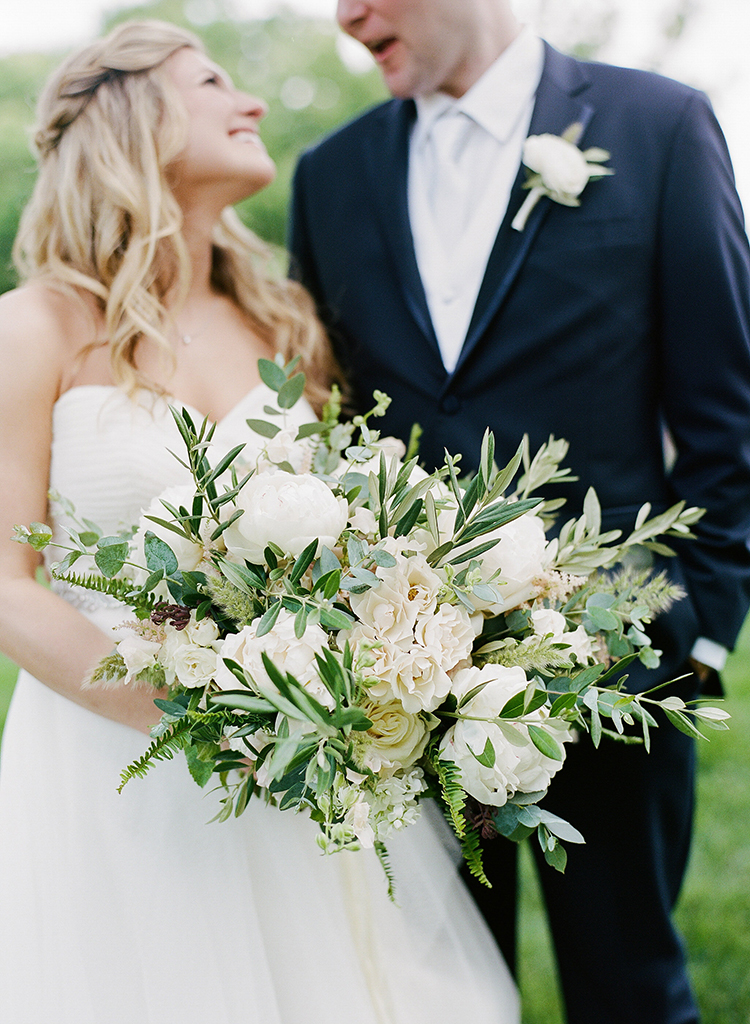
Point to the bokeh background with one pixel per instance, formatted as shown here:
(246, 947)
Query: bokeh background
(313, 79)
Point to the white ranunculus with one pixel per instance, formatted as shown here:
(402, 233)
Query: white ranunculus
(547, 620)
(286, 651)
(519, 557)
(137, 652)
(395, 739)
(407, 590)
(194, 665)
(188, 554)
(518, 765)
(289, 511)
(562, 165)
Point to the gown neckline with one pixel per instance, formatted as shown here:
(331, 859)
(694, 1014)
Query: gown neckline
(166, 399)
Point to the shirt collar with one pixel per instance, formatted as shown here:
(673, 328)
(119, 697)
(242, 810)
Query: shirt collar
(499, 98)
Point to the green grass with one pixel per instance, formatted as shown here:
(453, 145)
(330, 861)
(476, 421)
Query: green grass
(714, 913)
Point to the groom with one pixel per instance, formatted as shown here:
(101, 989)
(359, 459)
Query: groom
(617, 324)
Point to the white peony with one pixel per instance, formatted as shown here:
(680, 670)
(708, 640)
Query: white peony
(284, 448)
(289, 511)
(562, 165)
(519, 556)
(518, 765)
(547, 621)
(188, 554)
(286, 651)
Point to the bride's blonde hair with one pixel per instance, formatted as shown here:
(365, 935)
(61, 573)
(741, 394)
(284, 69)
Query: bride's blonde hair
(103, 218)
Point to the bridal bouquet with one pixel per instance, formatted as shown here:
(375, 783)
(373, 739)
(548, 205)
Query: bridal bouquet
(334, 629)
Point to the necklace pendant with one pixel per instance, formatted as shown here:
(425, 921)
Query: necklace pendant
(187, 339)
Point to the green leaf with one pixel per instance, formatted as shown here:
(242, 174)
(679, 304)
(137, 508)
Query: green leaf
(560, 827)
(159, 555)
(291, 391)
(309, 430)
(201, 771)
(268, 620)
(407, 521)
(170, 707)
(241, 700)
(556, 857)
(303, 561)
(271, 374)
(111, 555)
(545, 743)
(263, 427)
(244, 579)
(487, 757)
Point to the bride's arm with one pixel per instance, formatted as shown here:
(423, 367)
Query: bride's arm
(39, 630)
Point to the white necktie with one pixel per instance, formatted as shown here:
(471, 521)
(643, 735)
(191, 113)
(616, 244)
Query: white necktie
(450, 192)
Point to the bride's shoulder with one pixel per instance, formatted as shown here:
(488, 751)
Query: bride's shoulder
(42, 330)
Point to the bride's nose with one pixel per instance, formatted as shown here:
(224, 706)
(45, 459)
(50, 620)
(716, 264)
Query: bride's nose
(252, 105)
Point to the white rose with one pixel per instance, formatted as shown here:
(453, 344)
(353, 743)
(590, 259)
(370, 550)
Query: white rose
(519, 557)
(286, 651)
(518, 765)
(408, 589)
(289, 511)
(137, 652)
(188, 554)
(194, 665)
(204, 632)
(547, 620)
(562, 165)
(395, 740)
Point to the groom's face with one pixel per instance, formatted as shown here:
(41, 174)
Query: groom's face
(421, 46)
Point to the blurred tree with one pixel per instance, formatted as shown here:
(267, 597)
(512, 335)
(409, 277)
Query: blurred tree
(291, 62)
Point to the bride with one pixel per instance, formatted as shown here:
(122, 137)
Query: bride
(142, 289)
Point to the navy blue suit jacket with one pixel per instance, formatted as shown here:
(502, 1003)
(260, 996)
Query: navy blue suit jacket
(599, 323)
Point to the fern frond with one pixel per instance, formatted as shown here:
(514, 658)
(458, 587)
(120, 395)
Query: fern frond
(471, 848)
(452, 793)
(162, 749)
(385, 863)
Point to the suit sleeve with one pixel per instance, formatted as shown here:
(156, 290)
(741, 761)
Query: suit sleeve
(703, 265)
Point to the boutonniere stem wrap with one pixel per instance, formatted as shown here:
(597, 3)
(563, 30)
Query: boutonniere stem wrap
(557, 168)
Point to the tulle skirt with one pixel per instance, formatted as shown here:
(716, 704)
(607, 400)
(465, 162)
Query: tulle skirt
(131, 909)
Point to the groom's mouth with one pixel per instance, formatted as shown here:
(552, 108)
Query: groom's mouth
(382, 49)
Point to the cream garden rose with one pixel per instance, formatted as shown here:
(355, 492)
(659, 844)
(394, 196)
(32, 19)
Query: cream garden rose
(289, 653)
(286, 510)
(395, 739)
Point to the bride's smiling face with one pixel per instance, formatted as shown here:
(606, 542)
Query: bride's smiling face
(223, 156)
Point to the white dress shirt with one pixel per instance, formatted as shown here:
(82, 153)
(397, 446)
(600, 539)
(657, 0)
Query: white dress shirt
(460, 178)
(490, 125)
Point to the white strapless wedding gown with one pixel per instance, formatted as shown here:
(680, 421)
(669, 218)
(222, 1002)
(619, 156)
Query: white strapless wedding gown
(131, 909)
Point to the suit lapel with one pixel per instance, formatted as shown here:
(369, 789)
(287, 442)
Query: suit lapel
(558, 105)
(387, 166)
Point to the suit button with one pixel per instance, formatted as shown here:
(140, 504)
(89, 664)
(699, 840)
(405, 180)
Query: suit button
(450, 405)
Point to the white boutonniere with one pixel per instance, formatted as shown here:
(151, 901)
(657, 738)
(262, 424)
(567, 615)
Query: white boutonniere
(559, 169)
